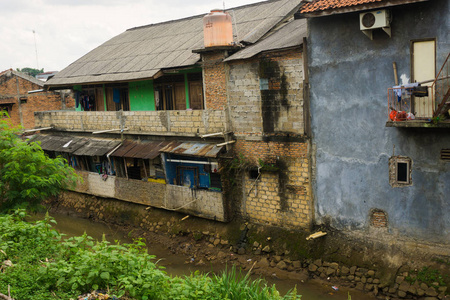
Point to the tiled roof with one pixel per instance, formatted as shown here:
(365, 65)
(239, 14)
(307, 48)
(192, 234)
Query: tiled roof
(339, 6)
(320, 5)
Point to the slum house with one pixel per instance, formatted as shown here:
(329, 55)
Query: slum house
(379, 76)
(172, 101)
(21, 95)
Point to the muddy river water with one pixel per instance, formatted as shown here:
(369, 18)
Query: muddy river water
(176, 265)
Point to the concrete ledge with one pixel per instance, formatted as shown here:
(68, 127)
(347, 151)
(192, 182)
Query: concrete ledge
(418, 124)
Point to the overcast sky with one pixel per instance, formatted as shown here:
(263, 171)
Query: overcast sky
(65, 30)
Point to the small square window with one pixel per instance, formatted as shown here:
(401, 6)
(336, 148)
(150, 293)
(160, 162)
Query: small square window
(400, 171)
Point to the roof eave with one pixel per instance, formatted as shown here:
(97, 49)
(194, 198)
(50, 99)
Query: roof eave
(364, 7)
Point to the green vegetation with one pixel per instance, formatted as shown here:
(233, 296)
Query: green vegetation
(427, 275)
(27, 174)
(47, 266)
(31, 71)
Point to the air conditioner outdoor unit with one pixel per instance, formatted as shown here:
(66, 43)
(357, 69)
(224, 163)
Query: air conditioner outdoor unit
(375, 19)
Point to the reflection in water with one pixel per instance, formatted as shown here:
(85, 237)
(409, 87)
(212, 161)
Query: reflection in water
(176, 264)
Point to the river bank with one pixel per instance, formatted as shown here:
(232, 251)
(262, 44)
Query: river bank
(274, 253)
(193, 256)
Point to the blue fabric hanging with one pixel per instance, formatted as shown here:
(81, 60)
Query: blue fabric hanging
(116, 95)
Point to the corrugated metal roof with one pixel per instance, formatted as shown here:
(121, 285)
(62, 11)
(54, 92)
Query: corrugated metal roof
(290, 35)
(76, 145)
(145, 150)
(60, 143)
(192, 149)
(95, 147)
(139, 53)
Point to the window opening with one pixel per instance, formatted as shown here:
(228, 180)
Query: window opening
(172, 91)
(187, 176)
(253, 174)
(400, 171)
(215, 181)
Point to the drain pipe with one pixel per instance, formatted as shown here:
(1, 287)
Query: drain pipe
(111, 152)
(254, 183)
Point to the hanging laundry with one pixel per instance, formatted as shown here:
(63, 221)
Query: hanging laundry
(116, 95)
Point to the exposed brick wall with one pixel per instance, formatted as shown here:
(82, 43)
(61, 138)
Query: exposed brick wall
(31, 103)
(269, 151)
(282, 197)
(214, 76)
(379, 219)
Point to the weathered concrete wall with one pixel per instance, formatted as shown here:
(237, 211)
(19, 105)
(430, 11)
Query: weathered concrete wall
(201, 203)
(186, 122)
(349, 76)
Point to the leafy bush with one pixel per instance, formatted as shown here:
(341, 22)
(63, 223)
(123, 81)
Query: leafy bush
(47, 266)
(27, 174)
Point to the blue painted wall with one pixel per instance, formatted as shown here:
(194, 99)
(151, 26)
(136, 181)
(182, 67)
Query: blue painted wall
(171, 171)
(349, 77)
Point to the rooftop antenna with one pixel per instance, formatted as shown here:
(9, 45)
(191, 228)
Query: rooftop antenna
(35, 48)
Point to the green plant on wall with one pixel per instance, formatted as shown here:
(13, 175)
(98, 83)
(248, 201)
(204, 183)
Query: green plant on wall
(268, 167)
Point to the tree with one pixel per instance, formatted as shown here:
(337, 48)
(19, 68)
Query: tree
(27, 174)
(31, 71)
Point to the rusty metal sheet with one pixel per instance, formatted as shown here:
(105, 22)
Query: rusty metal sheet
(155, 150)
(123, 149)
(193, 149)
(144, 150)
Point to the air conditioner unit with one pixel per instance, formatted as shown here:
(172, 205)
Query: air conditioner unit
(375, 19)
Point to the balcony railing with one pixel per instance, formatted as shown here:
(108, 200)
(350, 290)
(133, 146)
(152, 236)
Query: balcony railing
(411, 103)
(421, 104)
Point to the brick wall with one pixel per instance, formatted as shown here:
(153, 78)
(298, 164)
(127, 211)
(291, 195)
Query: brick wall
(214, 77)
(185, 123)
(31, 103)
(281, 197)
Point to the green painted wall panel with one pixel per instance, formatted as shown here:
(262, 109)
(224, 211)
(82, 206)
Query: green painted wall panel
(142, 96)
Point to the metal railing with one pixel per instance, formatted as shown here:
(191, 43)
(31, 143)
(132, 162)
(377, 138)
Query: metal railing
(441, 85)
(423, 100)
(411, 102)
